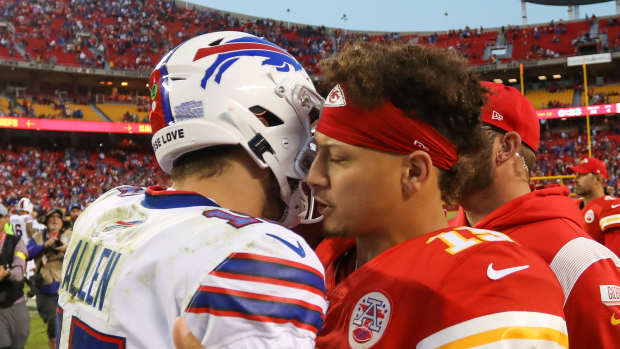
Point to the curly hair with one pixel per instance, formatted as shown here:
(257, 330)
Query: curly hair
(428, 84)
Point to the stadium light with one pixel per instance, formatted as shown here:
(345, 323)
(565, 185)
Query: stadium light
(557, 76)
(512, 80)
(101, 82)
(124, 83)
(109, 83)
(542, 77)
(498, 81)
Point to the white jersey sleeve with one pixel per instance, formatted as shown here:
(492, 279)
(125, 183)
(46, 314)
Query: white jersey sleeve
(268, 294)
(138, 259)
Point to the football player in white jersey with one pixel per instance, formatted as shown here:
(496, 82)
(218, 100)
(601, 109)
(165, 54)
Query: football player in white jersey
(231, 117)
(24, 226)
(22, 221)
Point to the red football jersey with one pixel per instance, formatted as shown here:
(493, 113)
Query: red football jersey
(593, 214)
(450, 288)
(549, 222)
(602, 217)
(609, 221)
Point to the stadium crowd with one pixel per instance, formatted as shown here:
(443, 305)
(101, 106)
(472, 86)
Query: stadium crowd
(560, 149)
(65, 177)
(122, 36)
(136, 34)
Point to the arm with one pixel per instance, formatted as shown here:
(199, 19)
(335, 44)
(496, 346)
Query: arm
(18, 266)
(610, 225)
(34, 250)
(183, 337)
(500, 293)
(612, 240)
(263, 296)
(29, 229)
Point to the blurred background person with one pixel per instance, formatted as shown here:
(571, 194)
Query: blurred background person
(75, 210)
(601, 213)
(48, 248)
(14, 317)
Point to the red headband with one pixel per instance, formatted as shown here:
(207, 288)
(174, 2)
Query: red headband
(386, 128)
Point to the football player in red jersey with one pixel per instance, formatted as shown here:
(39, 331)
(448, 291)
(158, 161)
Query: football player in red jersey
(601, 213)
(389, 138)
(498, 197)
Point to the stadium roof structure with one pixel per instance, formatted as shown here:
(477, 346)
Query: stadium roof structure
(566, 2)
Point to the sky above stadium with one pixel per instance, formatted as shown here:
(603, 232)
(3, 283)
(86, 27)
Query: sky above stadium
(404, 15)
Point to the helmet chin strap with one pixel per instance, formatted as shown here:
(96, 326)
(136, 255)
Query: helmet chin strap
(290, 217)
(299, 206)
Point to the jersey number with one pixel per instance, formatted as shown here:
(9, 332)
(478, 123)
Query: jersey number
(457, 242)
(84, 336)
(18, 230)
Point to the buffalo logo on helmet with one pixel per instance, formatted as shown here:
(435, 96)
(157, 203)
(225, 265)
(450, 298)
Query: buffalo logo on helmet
(231, 51)
(336, 98)
(369, 320)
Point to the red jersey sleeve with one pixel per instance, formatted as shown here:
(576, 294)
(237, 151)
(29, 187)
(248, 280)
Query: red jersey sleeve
(609, 216)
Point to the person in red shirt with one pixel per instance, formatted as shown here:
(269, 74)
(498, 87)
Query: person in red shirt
(498, 197)
(601, 213)
(388, 142)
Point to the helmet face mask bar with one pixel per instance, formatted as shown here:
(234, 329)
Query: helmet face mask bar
(228, 88)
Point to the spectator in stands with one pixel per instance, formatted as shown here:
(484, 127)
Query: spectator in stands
(48, 250)
(14, 317)
(75, 211)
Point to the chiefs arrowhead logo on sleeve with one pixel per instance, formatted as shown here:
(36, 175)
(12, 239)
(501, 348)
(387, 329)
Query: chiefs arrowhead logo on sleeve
(336, 98)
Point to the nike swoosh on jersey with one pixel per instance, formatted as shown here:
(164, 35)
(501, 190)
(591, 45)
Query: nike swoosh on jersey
(297, 249)
(614, 206)
(496, 274)
(614, 321)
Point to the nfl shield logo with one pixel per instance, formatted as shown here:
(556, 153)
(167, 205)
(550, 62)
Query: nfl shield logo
(369, 320)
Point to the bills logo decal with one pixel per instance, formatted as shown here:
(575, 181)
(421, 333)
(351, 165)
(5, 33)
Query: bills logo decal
(231, 51)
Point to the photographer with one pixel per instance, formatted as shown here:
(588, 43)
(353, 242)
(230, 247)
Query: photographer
(48, 250)
(14, 318)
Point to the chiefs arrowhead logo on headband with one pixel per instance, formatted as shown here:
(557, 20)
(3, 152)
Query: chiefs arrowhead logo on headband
(384, 127)
(335, 98)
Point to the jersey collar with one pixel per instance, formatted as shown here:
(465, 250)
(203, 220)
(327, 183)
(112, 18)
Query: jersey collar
(158, 197)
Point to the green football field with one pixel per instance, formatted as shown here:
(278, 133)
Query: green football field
(38, 337)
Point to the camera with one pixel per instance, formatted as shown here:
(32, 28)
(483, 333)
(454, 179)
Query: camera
(57, 243)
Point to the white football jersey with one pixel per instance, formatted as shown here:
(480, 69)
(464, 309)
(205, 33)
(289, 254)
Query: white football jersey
(36, 226)
(19, 222)
(140, 258)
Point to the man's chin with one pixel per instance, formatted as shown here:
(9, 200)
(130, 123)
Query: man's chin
(335, 232)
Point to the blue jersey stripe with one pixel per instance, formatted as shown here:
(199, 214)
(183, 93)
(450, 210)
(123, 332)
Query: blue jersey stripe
(271, 270)
(204, 300)
(175, 201)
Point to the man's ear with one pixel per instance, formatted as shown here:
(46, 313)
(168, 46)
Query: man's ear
(509, 145)
(416, 170)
